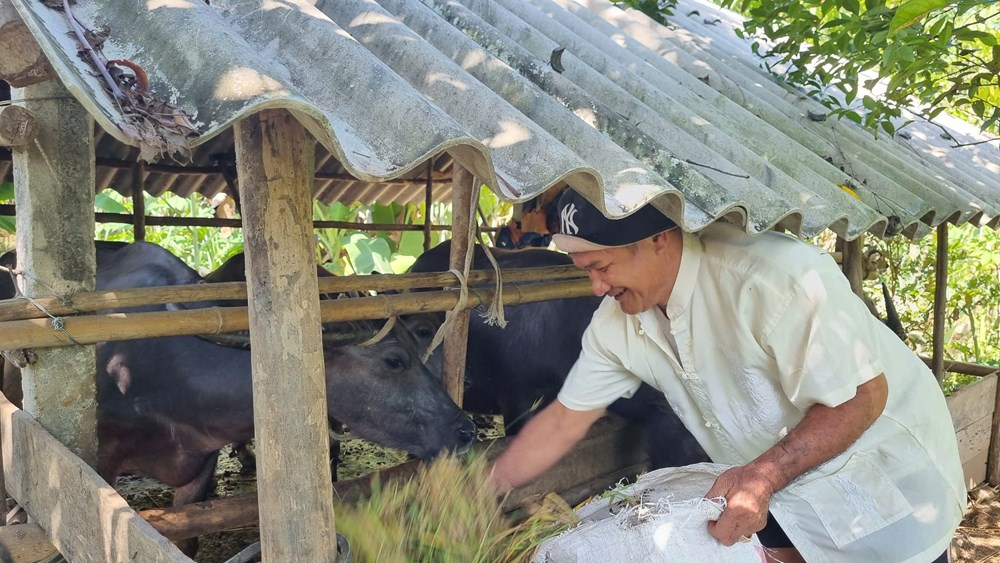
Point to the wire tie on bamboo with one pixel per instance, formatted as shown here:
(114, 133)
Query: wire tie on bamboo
(58, 323)
(389, 323)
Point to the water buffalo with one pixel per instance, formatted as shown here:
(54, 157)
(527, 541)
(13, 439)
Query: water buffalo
(421, 331)
(167, 405)
(513, 370)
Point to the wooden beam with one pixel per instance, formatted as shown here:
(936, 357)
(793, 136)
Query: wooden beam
(18, 126)
(55, 244)
(23, 63)
(940, 301)
(138, 200)
(229, 513)
(275, 161)
(979, 370)
(993, 453)
(91, 301)
(428, 204)
(89, 329)
(612, 450)
(83, 516)
(464, 195)
(853, 264)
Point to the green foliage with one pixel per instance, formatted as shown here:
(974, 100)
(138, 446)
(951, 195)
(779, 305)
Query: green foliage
(656, 9)
(7, 194)
(203, 248)
(972, 326)
(935, 55)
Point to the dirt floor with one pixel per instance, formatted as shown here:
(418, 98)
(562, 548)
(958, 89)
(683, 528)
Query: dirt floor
(358, 458)
(978, 538)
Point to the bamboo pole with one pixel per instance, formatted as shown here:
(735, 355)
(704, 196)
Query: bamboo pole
(191, 520)
(90, 329)
(92, 301)
(940, 301)
(965, 368)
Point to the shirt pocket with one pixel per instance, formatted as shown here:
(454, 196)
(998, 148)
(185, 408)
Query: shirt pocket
(858, 500)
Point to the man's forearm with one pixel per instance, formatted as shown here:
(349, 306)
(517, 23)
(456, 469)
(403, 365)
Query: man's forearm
(822, 434)
(542, 442)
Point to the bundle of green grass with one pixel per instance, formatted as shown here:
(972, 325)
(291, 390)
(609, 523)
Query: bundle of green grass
(447, 513)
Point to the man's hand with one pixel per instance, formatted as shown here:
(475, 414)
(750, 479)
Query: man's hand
(534, 222)
(747, 491)
(823, 433)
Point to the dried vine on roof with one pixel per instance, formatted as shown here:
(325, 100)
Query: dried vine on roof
(157, 127)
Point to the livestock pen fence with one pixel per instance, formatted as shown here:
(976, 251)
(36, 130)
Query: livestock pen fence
(70, 493)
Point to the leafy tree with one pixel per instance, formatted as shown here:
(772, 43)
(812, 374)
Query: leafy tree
(932, 55)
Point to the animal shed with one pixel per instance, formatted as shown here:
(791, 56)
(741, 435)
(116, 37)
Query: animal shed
(630, 112)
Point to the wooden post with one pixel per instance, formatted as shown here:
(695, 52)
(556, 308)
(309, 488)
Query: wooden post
(23, 62)
(428, 202)
(54, 190)
(138, 200)
(456, 339)
(852, 262)
(18, 126)
(940, 301)
(275, 160)
(83, 516)
(993, 454)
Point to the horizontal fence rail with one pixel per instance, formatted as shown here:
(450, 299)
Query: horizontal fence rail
(91, 301)
(93, 328)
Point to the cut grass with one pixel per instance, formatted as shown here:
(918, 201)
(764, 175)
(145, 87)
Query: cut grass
(447, 513)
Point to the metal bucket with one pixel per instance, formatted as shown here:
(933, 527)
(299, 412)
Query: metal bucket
(343, 550)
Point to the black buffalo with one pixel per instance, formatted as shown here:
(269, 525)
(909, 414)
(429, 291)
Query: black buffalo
(518, 369)
(167, 405)
(420, 331)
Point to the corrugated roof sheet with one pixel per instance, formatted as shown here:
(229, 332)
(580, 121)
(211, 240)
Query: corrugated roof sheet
(679, 115)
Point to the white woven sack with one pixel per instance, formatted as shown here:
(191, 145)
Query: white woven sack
(662, 517)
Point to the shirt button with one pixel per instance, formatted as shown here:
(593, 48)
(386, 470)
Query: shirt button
(641, 332)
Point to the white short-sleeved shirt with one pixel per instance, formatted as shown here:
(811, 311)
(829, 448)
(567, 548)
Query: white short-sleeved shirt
(765, 327)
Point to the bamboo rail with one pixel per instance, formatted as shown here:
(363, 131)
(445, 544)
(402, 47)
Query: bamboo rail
(90, 329)
(965, 368)
(91, 301)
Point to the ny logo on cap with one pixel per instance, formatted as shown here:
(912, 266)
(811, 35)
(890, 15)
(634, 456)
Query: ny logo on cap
(567, 216)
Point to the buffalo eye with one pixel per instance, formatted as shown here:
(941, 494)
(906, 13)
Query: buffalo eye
(394, 362)
(425, 333)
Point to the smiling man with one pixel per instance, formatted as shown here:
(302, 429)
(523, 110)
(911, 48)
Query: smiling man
(841, 445)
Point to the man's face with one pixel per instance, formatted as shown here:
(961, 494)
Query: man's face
(630, 274)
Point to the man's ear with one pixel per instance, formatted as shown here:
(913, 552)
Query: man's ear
(660, 241)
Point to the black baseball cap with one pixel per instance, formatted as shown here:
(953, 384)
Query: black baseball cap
(582, 226)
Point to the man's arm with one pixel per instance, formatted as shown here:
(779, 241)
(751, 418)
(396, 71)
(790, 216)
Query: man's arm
(822, 434)
(543, 441)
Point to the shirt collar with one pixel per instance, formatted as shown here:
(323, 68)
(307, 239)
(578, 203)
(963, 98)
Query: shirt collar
(687, 275)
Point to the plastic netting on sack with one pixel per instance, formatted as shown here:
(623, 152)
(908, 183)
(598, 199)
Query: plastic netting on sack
(662, 517)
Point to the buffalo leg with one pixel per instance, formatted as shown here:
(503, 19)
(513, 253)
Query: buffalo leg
(196, 491)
